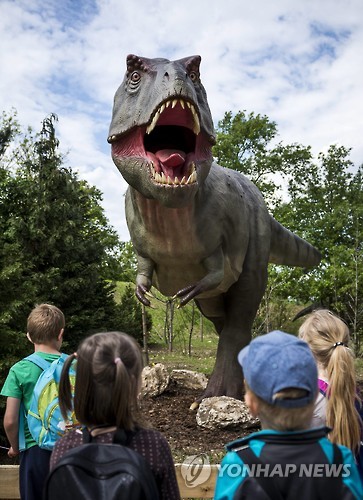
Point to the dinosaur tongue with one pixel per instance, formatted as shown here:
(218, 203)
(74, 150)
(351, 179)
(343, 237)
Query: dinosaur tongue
(170, 160)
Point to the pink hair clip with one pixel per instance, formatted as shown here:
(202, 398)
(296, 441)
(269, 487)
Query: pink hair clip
(117, 361)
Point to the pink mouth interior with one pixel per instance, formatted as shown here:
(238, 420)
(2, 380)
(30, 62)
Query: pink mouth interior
(171, 161)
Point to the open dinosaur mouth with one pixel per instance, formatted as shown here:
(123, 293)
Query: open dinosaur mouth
(169, 142)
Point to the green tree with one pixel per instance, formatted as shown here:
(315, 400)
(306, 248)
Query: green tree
(245, 143)
(57, 245)
(325, 208)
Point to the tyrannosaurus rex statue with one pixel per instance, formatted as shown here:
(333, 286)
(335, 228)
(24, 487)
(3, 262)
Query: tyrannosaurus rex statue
(200, 231)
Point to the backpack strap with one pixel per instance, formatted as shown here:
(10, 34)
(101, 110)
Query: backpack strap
(21, 432)
(38, 360)
(335, 482)
(267, 484)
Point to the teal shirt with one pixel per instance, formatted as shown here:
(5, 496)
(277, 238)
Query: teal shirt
(20, 384)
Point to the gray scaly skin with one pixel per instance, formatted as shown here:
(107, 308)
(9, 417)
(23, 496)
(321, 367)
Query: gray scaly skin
(200, 231)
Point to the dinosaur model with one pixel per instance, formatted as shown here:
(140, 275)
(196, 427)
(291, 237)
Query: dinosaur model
(200, 231)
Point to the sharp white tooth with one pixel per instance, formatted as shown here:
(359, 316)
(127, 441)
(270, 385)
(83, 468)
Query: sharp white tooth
(161, 109)
(196, 126)
(151, 127)
(157, 177)
(192, 165)
(169, 181)
(189, 104)
(193, 176)
(182, 103)
(176, 181)
(183, 180)
(189, 179)
(167, 104)
(173, 104)
(163, 178)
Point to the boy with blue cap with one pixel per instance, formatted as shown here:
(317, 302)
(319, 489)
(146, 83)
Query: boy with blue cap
(285, 459)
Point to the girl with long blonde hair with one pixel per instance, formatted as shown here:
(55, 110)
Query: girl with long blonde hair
(337, 402)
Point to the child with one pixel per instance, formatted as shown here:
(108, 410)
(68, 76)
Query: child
(328, 339)
(285, 459)
(108, 382)
(45, 327)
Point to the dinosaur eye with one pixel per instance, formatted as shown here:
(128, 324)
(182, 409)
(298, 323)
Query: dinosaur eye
(193, 76)
(135, 77)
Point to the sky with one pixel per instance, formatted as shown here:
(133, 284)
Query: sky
(299, 62)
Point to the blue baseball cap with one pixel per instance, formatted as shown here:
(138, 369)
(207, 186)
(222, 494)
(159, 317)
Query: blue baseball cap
(277, 361)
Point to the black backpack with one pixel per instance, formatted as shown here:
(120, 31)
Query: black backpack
(101, 472)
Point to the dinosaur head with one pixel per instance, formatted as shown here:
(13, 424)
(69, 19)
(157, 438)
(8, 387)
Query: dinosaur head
(162, 130)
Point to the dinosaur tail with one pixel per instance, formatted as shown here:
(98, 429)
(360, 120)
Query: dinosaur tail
(290, 250)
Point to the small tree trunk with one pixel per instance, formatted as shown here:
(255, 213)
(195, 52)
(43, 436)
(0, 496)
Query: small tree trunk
(201, 326)
(191, 332)
(145, 351)
(171, 320)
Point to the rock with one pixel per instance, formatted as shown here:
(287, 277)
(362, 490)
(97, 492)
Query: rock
(155, 380)
(223, 412)
(189, 379)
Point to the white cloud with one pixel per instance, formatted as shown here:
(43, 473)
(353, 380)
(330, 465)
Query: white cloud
(296, 62)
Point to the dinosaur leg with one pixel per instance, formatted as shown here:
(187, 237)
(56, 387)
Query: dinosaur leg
(241, 303)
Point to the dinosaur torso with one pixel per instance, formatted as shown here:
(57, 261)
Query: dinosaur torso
(178, 240)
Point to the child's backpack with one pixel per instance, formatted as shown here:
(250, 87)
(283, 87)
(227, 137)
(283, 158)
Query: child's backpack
(44, 417)
(267, 485)
(98, 471)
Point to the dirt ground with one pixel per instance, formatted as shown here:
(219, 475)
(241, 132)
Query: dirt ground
(170, 414)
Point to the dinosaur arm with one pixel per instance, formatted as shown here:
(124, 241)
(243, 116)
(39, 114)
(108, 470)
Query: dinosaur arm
(214, 264)
(145, 269)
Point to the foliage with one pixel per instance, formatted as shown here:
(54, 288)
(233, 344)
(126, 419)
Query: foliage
(244, 144)
(56, 245)
(127, 261)
(326, 208)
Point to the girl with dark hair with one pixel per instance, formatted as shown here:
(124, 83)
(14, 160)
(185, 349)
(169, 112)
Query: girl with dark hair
(108, 382)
